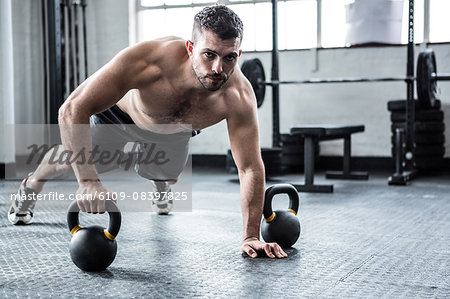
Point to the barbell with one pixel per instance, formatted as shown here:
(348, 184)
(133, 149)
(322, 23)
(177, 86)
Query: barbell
(426, 78)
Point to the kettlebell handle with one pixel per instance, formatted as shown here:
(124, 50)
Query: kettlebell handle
(280, 189)
(115, 219)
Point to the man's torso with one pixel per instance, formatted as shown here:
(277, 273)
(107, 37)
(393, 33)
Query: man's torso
(168, 98)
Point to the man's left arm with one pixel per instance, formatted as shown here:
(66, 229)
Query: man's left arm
(244, 140)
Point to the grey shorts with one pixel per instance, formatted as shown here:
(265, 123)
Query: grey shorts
(154, 156)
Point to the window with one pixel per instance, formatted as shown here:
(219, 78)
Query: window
(297, 20)
(439, 21)
(302, 24)
(333, 23)
(297, 24)
(155, 23)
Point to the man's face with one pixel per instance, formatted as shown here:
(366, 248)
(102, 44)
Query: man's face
(213, 59)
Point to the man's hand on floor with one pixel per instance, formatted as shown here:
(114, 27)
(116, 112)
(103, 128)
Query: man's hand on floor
(252, 246)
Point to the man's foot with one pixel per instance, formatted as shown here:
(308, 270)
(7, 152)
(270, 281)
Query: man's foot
(21, 210)
(163, 205)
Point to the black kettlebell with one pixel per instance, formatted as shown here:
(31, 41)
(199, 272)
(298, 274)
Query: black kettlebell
(282, 227)
(93, 248)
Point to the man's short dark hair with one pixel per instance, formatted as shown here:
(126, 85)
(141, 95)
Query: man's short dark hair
(221, 20)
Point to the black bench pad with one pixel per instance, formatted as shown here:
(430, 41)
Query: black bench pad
(325, 132)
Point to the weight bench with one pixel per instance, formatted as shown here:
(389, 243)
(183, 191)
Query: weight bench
(327, 132)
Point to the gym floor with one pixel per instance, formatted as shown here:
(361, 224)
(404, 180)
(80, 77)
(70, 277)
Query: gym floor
(367, 239)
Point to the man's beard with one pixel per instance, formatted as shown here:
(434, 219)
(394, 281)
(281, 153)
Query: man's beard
(212, 85)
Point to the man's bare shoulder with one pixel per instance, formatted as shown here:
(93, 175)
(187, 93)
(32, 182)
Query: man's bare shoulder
(147, 61)
(159, 49)
(241, 103)
(239, 92)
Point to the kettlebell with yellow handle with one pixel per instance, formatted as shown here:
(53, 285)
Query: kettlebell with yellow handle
(93, 248)
(281, 226)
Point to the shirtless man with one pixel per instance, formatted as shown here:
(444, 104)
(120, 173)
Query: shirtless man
(169, 80)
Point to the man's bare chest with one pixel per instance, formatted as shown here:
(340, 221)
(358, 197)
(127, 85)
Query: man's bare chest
(164, 106)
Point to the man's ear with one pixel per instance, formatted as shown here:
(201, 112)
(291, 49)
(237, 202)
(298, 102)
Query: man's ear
(190, 47)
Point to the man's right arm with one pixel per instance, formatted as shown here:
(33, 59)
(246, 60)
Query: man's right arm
(99, 92)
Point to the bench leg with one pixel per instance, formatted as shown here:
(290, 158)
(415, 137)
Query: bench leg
(309, 170)
(346, 173)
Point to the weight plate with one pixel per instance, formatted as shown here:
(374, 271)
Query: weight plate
(437, 139)
(295, 159)
(420, 115)
(271, 151)
(427, 90)
(430, 138)
(429, 163)
(293, 150)
(271, 158)
(426, 150)
(292, 139)
(421, 126)
(295, 169)
(254, 71)
(297, 150)
(399, 105)
(272, 161)
(292, 160)
(429, 150)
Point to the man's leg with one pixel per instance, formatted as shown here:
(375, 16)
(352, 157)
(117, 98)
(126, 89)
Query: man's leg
(21, 210)
(161, 159)
(162, 202)
(161, 174)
